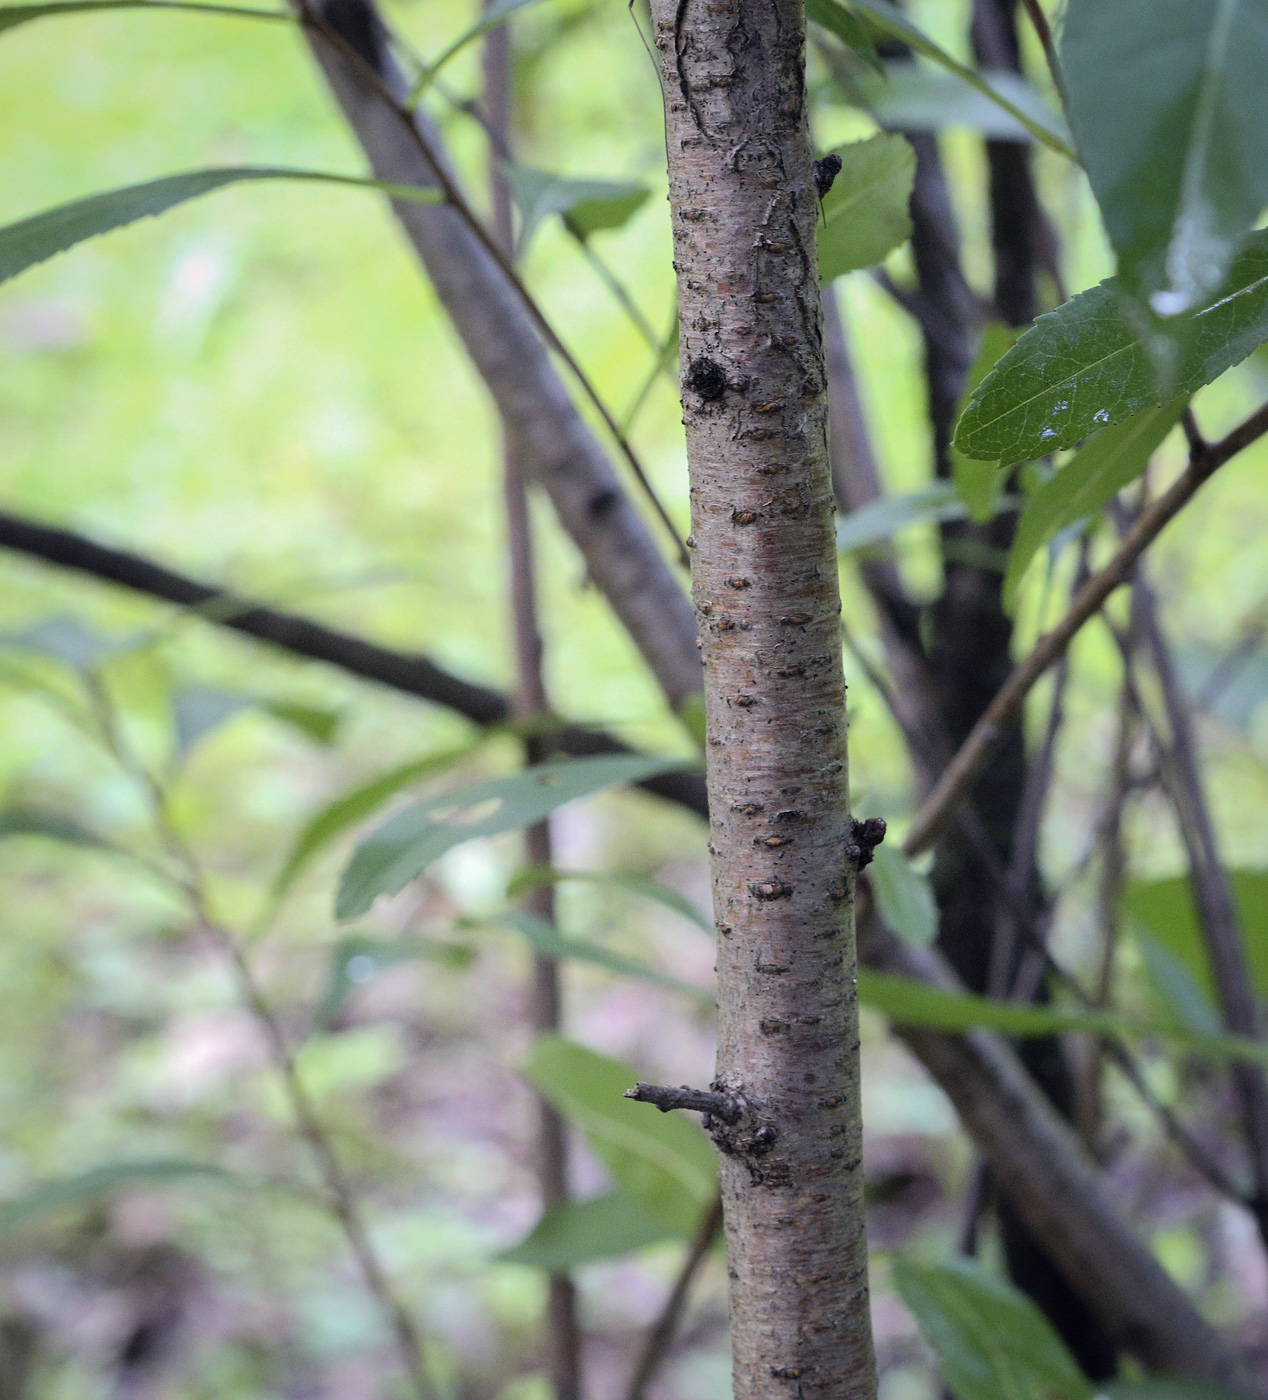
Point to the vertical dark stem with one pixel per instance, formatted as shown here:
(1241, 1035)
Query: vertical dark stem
(529, 703)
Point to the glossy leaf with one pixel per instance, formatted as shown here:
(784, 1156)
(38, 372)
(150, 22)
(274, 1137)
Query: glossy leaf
(903, 896)
(345, 812)
(42, 236)
(852, 31)
(405, 845)
(1096, 473)
(1169, 108)
(1083, 366)
(13, 15)
(358, 959)
(662, 1160)
(978, 484)
(534, 876)
(993, 1342)
(882, 520)
(579, 1232)
(99, 1184)
(890, 21)
(587, 206)
(865, 214)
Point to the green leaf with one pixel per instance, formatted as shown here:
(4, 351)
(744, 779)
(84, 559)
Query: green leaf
(42, 236)
(915, 97)
(13, 15)
(903, 896)
(882, 520)
(70, 640)
(865, 215)
(1184, 997)
(1169, 108)
(662, 1160)
(578, 1232)
(404, 846)
(17, 821)
(357, 960)
(1083, 366)
(587, 206)
(197, 710)
(993, 1342)
(346, 811)
(547, 939)
(978, 484)
(1167, 1388)
(321, 726)
(497, 13)
(534, 876)
(891, 21)
(1096, 473)
(851, 31)
(100, 1183)
(691, 713)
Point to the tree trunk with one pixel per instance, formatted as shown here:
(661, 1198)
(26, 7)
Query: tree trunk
(743, 194)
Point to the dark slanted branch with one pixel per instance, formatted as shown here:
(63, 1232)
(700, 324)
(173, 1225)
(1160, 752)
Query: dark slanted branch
(408, 673)
(666, 1098)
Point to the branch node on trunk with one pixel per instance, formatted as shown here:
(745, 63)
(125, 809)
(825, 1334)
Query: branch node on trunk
(865, 836)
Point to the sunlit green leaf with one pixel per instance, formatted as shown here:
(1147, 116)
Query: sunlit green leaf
(101, 1183)
(578, 1232)
(882, 520)
(903, 896)
(42, 236)
(404, 846)
(1096, 473)
(1083, 366)
(662, 1160)
(993, 1342)
(534, 876)
(865, 214)
(1169, 108)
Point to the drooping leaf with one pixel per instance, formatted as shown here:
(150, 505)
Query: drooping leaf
(890, 21)
(1098, 471)
(865, 215)
(903, 896)
(13, 15)
(100, 1183)
(587, 206)
(547, 939)
(851, 30)
(534, 876)
(495, 14)
(42, 236)
(579, 1232)
(1169, 108)
(993, 1342)
(662, 1160)
(1083, 366)
(882, 520)
(358, 959)
(978, 484)
(402, 848)
(346, 811)
(916, 97)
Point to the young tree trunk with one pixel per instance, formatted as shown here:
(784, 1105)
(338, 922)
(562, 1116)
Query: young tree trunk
(743, 193)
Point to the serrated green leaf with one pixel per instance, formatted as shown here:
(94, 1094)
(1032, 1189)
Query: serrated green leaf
(1169, 108)
(579, 1232)
(891, 21)
(993, 1342)
(42, 236)
(534, 876)
(1083, 366)
(13, 15)
(882, 520)
(358, 959)
(586, 206)
(851, 31)
(1096, 473)
(402, 848)
(903, 896)
(100, 1183)
(352, 807)
(662, 1160)
(978, 484)
(865, 214)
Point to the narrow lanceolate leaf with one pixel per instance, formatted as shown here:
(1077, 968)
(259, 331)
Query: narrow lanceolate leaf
(865, 215)
(1092, 477)
(1169, 108)
(662, 1160)
(1083, 366)
(578, 1232)
(993, 1342)
(13, 15)
(404, 846)
(890, 20)
(100, 1183)
(34, 240)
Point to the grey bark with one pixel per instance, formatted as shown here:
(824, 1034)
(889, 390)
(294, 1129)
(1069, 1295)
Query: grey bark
(765, 587)
(490, 316)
